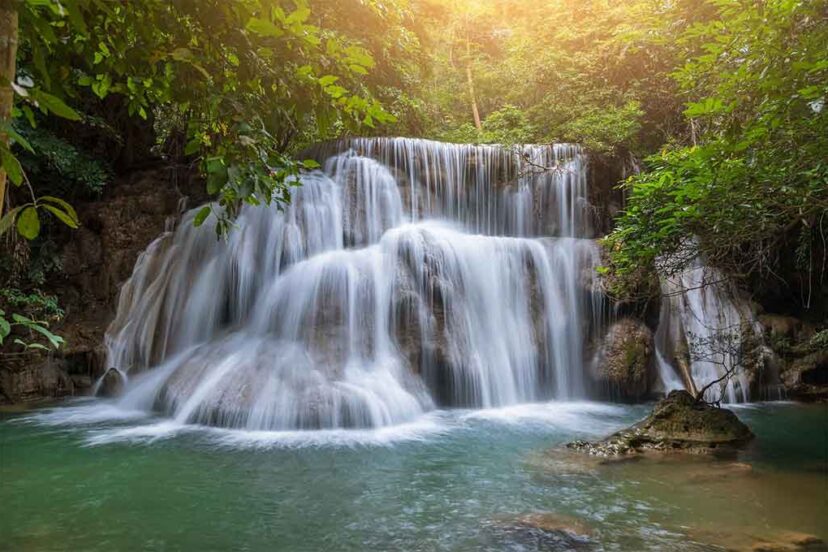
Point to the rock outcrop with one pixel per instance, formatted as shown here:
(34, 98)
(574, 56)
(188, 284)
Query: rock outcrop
(40, 380)
(802, 352)
(623, 364)
(97, 258)
(678, 423)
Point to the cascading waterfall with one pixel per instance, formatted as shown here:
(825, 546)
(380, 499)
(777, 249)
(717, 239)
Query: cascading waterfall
(705, 330)
(405, 275)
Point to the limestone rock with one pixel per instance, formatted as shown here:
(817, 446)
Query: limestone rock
(677, 424)
(625, 358)
(112, 384)
(37, 381)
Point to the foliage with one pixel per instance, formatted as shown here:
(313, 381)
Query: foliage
(14, 324)
(508, 126)
(217, 64)
(740, 189)
(603, 130)
(69, 171)
(591, 71)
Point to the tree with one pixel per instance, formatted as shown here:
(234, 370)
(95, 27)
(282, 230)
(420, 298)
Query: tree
(214, 64)
(750, 172)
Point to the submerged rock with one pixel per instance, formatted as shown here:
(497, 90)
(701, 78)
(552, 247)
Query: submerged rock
(678, 423)
(112, 384)
(545, 531)
(790, 541)
(745, 541)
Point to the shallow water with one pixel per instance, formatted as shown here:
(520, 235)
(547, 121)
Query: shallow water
(87, 476)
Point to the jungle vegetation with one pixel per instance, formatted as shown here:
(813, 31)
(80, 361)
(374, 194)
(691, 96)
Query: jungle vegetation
(720, 104)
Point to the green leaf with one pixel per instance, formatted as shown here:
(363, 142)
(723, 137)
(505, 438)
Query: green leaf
(310, 164)
(55, 340)
(202, 215)
(62, 216)
(265, 28)
(65, 206)
(20, 140)
(55, 105)
(193, 146)
(5, 329)
(300, 15)
(20, 319)
(28, 223)
(12, 167)
(8, 219)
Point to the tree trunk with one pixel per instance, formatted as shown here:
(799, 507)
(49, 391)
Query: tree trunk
(473, 98)
(683, 361)
(8, 57)
(477, 122)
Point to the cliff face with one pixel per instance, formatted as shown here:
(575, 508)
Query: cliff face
(97, 258)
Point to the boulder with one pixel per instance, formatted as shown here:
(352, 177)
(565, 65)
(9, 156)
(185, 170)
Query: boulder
(624, 359)
(112, 384)
(678, 423)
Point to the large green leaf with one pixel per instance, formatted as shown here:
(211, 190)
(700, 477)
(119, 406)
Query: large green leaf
(63, 216)
(28, 223)
(55, 105)
(12, 166)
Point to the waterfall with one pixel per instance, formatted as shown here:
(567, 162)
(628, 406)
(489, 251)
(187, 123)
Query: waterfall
(404, 275)
(707, 330)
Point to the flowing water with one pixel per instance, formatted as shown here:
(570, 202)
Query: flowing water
(405, 275)
(91, 476)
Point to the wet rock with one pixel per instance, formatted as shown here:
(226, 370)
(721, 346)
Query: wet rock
(46, 379)
(744, 541)
(804, 365)
(790, 541)
(625, 358)
(556, 523)
(678, 423)
(112, 384)
(806, 378)
(545, 531)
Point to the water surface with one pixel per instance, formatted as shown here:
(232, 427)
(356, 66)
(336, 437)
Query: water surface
(88, 476)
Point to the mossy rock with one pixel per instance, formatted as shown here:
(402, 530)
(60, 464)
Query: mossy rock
(678, 423)
(625, 359)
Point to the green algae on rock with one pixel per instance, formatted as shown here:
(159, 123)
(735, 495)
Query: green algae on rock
(678, 423)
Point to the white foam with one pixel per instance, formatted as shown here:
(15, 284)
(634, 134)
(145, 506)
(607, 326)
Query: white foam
(575, 417)
(83, 415)
(419, 430)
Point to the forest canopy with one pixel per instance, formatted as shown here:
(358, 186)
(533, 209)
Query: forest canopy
(716, 105)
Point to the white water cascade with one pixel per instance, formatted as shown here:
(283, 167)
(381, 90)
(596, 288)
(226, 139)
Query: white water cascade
(405, 275)
(704, 320)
